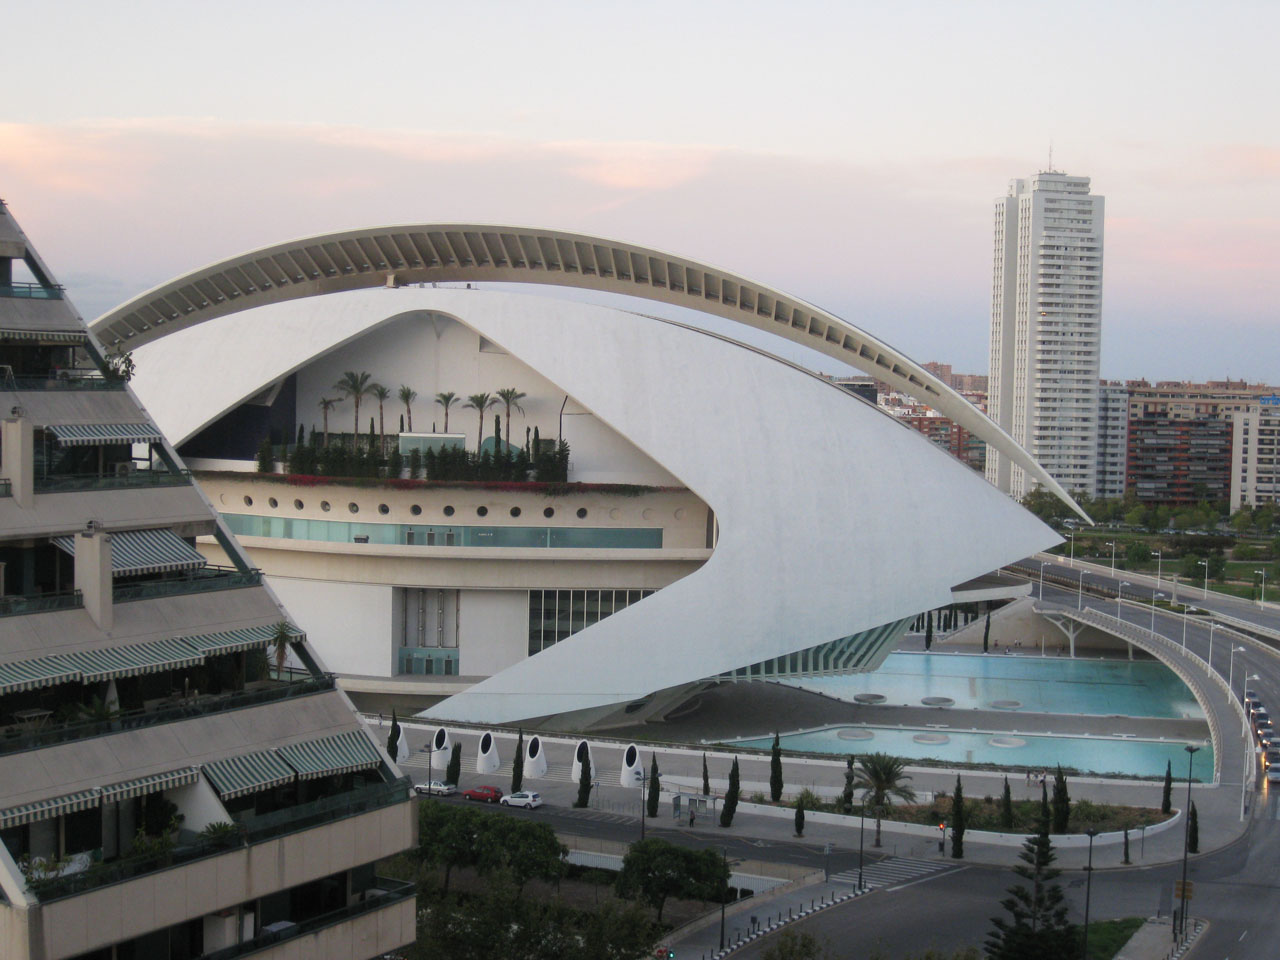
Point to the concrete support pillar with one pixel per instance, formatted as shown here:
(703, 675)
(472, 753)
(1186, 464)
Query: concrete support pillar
(93, 575)
(18, 456)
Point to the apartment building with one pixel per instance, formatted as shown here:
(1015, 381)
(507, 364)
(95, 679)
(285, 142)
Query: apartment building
(179, 778)
(1255, 454)
(1113, 437)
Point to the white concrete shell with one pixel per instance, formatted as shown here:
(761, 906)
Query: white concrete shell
(834, 519)
(415, 253)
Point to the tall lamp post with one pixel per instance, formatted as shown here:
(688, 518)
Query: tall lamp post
(1159, 561)
(724, 854)
(1186, 839)
(1205, 564)
(1120, 596)
(1080, 592)
(1072, 537)
(1231, 668)
(1154, 597)
(1088, 889)
(862, 827)
(1262, 598)
(1112, 545)
(1188, 609)
(1042, 566)
(1213, 625)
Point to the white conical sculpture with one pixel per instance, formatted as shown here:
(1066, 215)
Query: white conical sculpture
(487, 759)
(535, 758)
(632, 774)
(580, 753)
(441, 741)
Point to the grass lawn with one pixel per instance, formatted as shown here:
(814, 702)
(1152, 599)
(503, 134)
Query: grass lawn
(1106, 937)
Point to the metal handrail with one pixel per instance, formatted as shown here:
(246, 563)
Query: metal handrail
(66, 483)
(221, 578)
(31, 291)
(40, 603)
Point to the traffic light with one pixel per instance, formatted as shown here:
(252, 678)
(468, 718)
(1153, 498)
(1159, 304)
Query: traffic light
(671, 954)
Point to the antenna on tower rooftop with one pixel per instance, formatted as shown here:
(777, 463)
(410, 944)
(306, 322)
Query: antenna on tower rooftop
(1050, 156)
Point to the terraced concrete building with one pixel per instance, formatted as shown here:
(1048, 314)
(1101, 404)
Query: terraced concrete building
(179, 778)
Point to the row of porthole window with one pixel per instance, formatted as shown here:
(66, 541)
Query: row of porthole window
(416, 510)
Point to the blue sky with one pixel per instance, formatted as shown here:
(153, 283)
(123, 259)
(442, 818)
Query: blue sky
(846, 152)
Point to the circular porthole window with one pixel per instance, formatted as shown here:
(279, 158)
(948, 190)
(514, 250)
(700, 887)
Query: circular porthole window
(549, 512)
(515, 511)
(248, 501)
(324, 505)
(416, 510)
(353, 507)
(482, 511)
(448, 511)
(297, 504)
(582, 513)
(273, 502)
(383, 509)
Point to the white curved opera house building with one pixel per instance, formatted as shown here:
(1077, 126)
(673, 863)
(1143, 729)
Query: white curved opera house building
(727, 515)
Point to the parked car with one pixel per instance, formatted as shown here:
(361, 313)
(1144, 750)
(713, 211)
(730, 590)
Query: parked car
(522, 798)
(1253, 704)
(1262, 724)
(436, 788)
(1271, 758)
(1273, 774)
(488, 794)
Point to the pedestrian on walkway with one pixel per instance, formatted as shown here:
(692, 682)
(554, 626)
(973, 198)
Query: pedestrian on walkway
(691, 815)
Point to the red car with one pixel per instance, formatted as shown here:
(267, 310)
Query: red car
(485, 793)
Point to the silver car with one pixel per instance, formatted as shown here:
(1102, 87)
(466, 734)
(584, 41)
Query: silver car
(436, 788)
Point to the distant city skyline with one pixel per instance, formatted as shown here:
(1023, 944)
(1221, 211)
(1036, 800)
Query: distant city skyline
(862, 182)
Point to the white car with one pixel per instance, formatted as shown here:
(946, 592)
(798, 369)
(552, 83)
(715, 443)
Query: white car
(435, 788)
(522, 798)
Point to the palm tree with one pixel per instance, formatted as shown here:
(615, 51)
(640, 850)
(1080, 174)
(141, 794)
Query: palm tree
(511, 397)
(880, 777)
(407, 396)
(326, 405)
(279, 644)
(382, 393)
(480, 402)
(356, 386)
(446, 400)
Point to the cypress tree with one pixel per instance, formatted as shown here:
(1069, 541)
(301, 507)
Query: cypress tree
(1061, 802)
(846, 799)
(393, 738)
(775, 770)
(1193, 831)
(654, 786)
(1166, 798)
(706, 778)
(928, 630)
(584, 783)
(730, 805)
(1006, 807)
(517, 765)
(454, 771)
(1126, 845)
(957, 822)
(1045, 817)
(800, 817)
(986, 634)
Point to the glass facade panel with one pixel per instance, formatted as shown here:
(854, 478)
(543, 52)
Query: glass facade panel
(557, 614)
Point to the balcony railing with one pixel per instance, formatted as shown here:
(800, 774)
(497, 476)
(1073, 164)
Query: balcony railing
(205, 580)
(137, 719)
(64, 380)
(68, 483)
(6, 488)
(386, 893)
(30, 291)
(40, 603)
(291, 820)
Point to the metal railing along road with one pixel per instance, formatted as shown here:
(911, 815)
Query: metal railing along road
(205, 580)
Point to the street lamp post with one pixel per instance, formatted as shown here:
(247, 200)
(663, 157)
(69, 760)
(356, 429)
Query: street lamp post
(1042, 566)
(1185, 611)
(1231, 668)
(1213, 625)
(1072, 537)
(1205, 564)
(1080, 593)
(1262, 598)
(1159, 561)
(1088, 889)
(862, 827)
(1154, 596)
(1120, 596)
(1112, 545)
(1186, 838)
(724, 854)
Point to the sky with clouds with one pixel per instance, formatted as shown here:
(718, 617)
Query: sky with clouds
(846, 152)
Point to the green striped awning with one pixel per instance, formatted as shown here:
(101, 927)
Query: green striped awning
(341, 753)
(134, 660)
(49, 336)
(248, 773)
(232, 641)
(48, 809)
(144, 551)
(140, 786)
(92, 434)
(40, 672)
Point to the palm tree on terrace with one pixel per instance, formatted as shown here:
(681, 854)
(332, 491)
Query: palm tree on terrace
(511, 397)
(381, 393)
(326, 404)
(407, 396)
(355, 386)
(446, 400)
(480, 402)
(881, 777)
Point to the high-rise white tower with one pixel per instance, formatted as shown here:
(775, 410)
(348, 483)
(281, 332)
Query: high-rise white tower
(1046, 327)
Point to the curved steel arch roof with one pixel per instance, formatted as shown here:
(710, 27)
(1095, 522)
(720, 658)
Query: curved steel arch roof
(447, 252)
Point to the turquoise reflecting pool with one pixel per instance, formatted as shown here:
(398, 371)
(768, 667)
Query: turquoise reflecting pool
(1099, 755)
(1142, 688)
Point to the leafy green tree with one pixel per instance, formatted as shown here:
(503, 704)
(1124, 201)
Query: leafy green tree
(654, 870)
(480, 402)
(957, 821)
(881, 778)
(794, 945)
(775, 770)
(448, 837)
(355, 386)
(584, 783)
(393, 738)
(800, 816)
(527, 849)
(730, 805)
(1061, 802)
(453, 771)
(407, 395)
(1138, 553)
(651, 803)
(1193, 831)
(1037, 926)
(1006, 807)
(1166, 797)
(517, 765)
(706, 777)
(446, 400)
